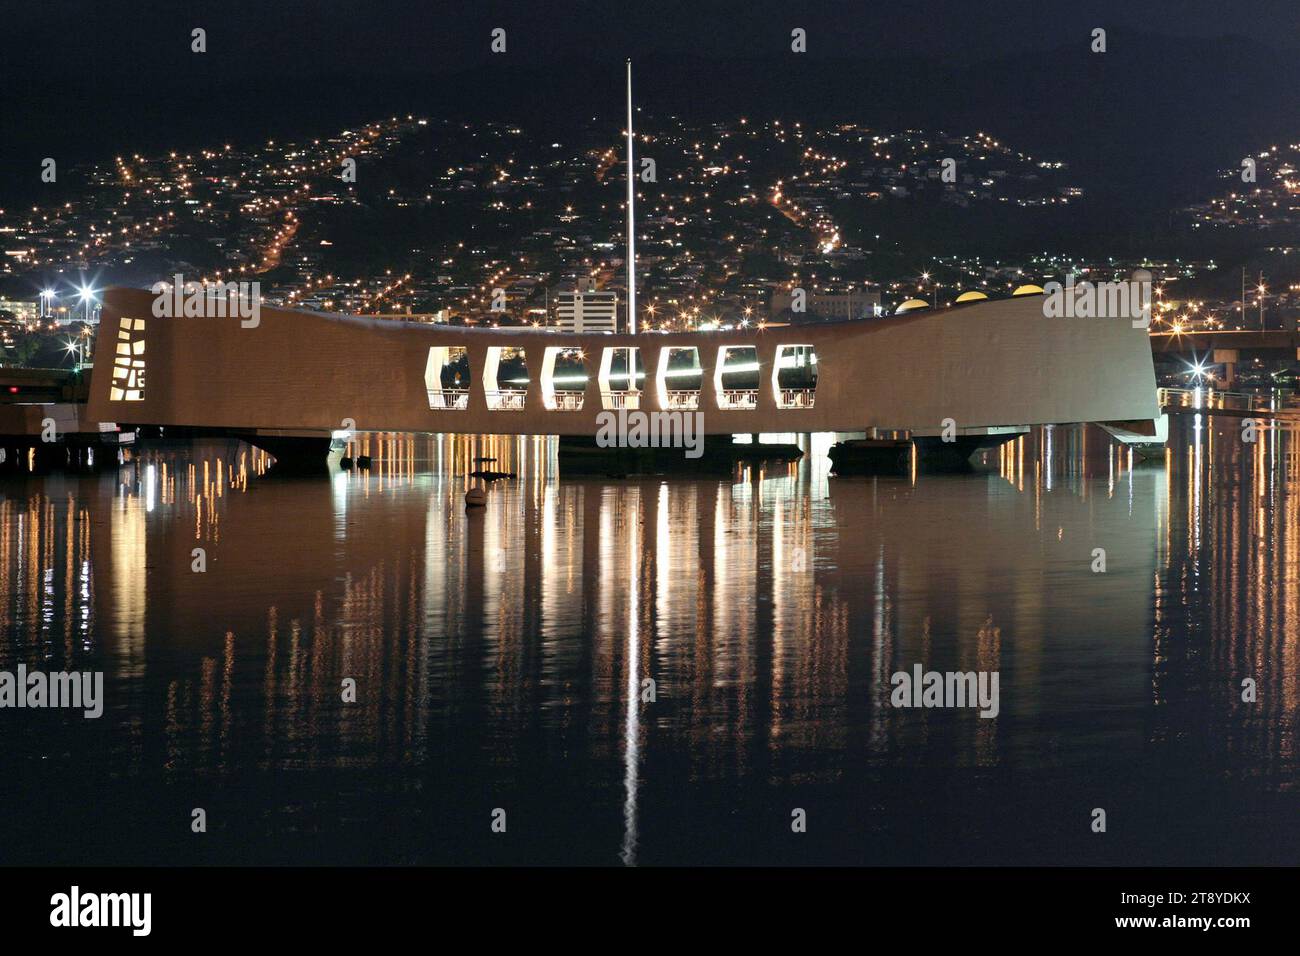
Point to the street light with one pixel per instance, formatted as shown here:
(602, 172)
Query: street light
(88, 297)
(73, 347)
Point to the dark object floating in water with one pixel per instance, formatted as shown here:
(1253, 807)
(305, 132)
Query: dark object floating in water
(480, 460)
(718, 455)
(346, 462)
(766, 451)
(491, 475)
(475, 497)
(363, 461)
(870, 456)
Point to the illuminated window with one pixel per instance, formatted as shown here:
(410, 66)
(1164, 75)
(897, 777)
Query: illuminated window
(736, 377)
(128, 363)
(447, 377)
(619, 377)
(505, 379)
(564, 379)
(795, 377)
(679, 378)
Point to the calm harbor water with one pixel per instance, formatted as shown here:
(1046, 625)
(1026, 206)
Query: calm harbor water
(496, 653)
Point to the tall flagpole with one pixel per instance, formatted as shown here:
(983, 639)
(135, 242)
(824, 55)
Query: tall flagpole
(631, 215)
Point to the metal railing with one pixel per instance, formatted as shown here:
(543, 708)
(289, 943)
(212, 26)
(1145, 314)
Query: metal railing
(1211, 398)
(738, 398)
(621, 399)
(565, 402)
(449, 399)
(796, 398)
(506, 399)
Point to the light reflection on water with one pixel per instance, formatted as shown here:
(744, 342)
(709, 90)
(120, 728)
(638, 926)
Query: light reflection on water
(501, 657)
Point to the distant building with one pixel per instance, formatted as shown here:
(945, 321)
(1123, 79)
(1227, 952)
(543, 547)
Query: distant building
(441, 317)
(587, 311)
(29, 313)
(825, 306)
(9, 330)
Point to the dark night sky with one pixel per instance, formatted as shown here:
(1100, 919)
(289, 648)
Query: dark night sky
(303, 36)
(1187, 83)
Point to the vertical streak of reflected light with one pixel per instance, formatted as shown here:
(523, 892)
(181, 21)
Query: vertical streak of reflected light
(1047, 457)
(663, 563)
(1110, 462)
(1197, 463)
(879, 651)
(1020, 463)
(1129, 451)
(632, 725)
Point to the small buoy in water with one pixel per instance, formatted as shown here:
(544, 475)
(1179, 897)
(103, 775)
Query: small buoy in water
(363, 461)
(475, 497)
(345, 463)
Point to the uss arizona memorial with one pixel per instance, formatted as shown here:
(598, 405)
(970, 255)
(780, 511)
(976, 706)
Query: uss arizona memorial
(991, 366)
